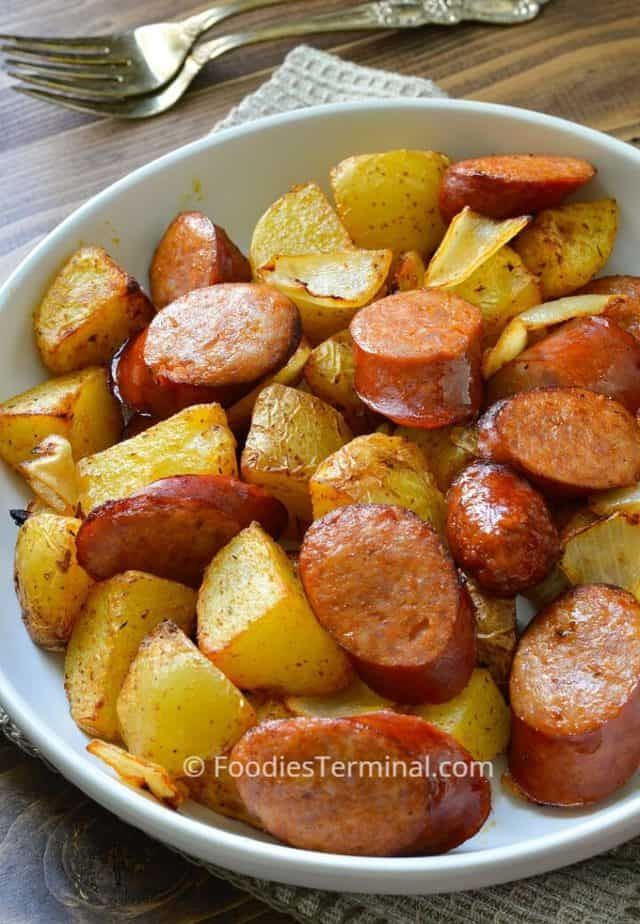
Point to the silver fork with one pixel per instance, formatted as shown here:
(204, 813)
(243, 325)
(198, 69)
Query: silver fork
(123, 64)
(376, 14)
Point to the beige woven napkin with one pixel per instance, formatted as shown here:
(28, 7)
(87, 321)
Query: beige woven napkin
(603, 889)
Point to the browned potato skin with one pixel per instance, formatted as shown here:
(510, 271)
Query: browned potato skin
(194, 253)
(174, 527)
(50, 584)
(90, 309)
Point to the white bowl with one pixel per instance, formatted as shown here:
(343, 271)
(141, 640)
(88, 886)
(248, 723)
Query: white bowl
(234, 176)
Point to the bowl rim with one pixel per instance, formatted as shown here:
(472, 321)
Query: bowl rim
(608, 825)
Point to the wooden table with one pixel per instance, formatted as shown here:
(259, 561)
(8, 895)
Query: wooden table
(62, 858)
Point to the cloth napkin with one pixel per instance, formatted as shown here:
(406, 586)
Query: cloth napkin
(605, 888)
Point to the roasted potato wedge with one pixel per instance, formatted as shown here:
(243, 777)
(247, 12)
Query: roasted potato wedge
(300, 222)
(90, 309)
(267, 706)
(478, 718)
(444, 456)
(291, 433)
(50, 584)
(143, 775)
(216, 788)
(79, 407)
(496, 635)
(239, 414)
(197, 441)
(356, 699)
(51, 475)
(408, 273)
(255, 624)
(377, 469)
(501, 288)
(175, 707)
(391, 199)
(117, 615)
(329, 373)
(329, 288)
(569, 245)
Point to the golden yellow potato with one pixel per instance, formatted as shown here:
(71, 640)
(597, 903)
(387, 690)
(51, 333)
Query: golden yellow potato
(79, 407)
(569, 245)
(300, 222)
(377, 469)
(91, 308)
(408, 273)
(267, 706)
(175, 707)
(478, 718)
(145, 775)
(239, 414)
(51, 475)
(196, 441)
(217, 789)
(50, 584)
(501, 288)
(496, 636)
(291, 433)
(444, 456)
(255, 624)
(356, 699)
(391, 199)
(117, 615)
(329, 288)
(329, 373)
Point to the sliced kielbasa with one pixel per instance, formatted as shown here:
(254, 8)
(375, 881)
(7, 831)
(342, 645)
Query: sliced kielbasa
(570, 441)
(500, 530)
(173, 527)
(379, 785)
(380, 581)
(417, 358)
(136, 386)
(503, 186)
(461, 794)
(592, 353)
(625, 310)
(575, 697)
(229, 334)
(193, 254)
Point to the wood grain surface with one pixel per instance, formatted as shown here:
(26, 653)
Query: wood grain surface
(63, 859)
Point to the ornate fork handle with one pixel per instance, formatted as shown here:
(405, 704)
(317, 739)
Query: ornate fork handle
(382, 14)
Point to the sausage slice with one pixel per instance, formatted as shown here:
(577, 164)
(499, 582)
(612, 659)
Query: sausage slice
(380, 785)
(500, 530)
(624, 311)
(417, 358)
(173, 527)
(592, 353)
(229, 334)
(136, 386)
(460, 799)
(193, 254)
(381, 583)
(569, 440)
(503, 186)
(575, 697)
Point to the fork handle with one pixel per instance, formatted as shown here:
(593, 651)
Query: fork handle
(382, 14)
(200, 23)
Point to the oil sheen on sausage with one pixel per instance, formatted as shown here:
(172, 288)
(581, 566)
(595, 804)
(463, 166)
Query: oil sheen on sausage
(417, 358)
(228, 334)
(575, 697)
(380, 581)
(499, 529)
(570, 441)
